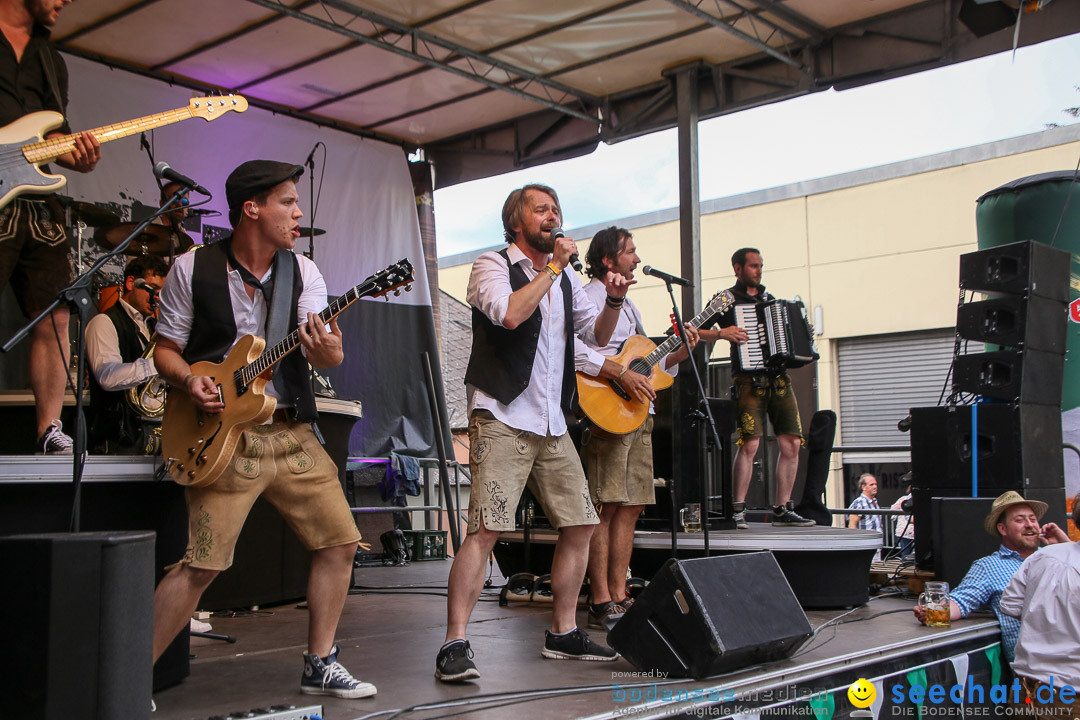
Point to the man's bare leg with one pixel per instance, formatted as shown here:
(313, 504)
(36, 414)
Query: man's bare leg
(467, 580)
(598, 555)
(621, 547)
(328, 586)
(567, 572)
(175, 600)
(48, 367)
(744, 467)
(787, 466)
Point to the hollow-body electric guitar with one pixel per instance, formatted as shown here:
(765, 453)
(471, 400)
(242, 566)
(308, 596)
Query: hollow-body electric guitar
(608, 404)
(23, 151)
(197, 446)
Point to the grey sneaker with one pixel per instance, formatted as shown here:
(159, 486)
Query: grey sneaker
(328, 677)
(740, 516)
(454, 662)
(606, 617)
(575, 645)
(785, 516)
(54, 441)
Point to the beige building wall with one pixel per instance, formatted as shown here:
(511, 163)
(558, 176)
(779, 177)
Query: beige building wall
(877, 250)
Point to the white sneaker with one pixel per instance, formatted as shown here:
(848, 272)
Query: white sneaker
(54, 441)
(200, 626)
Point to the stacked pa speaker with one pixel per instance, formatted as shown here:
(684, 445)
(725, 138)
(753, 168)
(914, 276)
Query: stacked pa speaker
(1010, 439)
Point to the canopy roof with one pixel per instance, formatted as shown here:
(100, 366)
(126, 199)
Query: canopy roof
(487, 86)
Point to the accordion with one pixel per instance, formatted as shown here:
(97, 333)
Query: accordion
(780, 336)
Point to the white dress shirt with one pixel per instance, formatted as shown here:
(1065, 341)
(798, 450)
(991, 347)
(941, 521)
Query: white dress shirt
(176, 306)
(1045, 594)
(103, 352)
(538, 408)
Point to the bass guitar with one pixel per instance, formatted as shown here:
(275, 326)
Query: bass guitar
(198, 446)
(23, 151)
(608, 404)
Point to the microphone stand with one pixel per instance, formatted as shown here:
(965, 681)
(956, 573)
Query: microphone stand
(77, 297)
(176, 229)
(310, 163)
(704, 411)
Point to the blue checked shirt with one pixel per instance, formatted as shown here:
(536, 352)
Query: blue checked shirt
(982, 587)
(866, 522)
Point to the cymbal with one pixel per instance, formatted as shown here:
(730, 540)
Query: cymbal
(309, 232)
(153, 240)
(91, 214)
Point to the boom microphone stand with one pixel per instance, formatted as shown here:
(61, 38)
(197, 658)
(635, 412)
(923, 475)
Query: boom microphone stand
(77, 297)
(704, 412)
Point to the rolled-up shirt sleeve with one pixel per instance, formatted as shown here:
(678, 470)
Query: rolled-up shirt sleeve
(175, 307)
(586, 359)
(489, 287)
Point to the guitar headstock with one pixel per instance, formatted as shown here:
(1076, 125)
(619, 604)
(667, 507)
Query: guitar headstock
(389, 280)
(211, 108)
(721, 302)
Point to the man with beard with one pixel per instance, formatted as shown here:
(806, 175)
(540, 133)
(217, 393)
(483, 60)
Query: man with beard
(1016, 521)
(520, 382)
(33, 246)
(619, 467)
(759, 394)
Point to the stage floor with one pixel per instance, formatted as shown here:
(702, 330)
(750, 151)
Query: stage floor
(390, 636)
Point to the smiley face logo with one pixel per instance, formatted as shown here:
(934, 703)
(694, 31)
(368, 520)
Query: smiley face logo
(862, 693)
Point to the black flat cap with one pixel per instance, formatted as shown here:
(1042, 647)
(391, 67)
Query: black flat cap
(254, 176)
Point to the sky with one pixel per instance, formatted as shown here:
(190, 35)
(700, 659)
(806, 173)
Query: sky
(814, 136)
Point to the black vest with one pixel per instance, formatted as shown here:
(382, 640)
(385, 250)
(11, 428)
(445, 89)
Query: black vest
(213, 326)
(113, 423)
(501, 360)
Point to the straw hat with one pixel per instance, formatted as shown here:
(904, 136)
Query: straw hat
(1006, 501)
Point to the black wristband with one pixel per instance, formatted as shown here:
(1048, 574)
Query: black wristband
(615, 301)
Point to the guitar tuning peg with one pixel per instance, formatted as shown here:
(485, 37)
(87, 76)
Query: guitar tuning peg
(397, 293)
(408, 288)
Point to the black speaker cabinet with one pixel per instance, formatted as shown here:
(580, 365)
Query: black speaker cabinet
(1027, 376)
(1019, 268)
(1031, 323)
(958, 536)
(82, 619)
(710, 615)
(1018, 447)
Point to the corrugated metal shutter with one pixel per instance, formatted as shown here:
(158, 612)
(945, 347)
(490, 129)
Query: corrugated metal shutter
(881, 378)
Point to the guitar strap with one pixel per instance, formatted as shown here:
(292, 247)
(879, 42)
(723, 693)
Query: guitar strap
(637, 321)
(50, 73)
(277, 314)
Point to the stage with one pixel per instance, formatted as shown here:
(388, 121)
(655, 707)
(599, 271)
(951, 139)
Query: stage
(390, 637)
(827, 567)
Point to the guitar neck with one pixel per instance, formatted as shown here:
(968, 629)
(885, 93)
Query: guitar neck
(672, 343)
(48, 150)
(271, 356)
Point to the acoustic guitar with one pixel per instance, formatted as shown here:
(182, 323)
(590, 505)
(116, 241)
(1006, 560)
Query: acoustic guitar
(198, 446)
(23, 151)
(608, 404)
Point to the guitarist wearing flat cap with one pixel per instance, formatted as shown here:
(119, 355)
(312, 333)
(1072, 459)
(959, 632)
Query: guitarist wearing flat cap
(251, 283)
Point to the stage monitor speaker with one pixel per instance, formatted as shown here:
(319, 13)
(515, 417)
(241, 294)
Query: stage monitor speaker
(1034, 323)
(1011, 375)
(1020, 268)
(1018, 447)
(959, 539)
(710, 615)
(82, 621)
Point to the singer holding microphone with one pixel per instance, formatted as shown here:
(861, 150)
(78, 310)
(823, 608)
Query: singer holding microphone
(526, 310)
(116, 341)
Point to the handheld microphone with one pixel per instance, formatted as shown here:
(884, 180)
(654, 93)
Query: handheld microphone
(310, 162)
(666, 277)
(143, 285)
(557, 233)
(163, 172)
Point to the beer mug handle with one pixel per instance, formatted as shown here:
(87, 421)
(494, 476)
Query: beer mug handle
(925, 605)
(682, 517)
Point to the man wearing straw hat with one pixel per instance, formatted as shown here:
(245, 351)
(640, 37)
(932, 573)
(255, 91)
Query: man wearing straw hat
(1016, 521)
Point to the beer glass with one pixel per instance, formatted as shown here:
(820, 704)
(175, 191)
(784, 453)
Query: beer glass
(935, 598)
(690, 517)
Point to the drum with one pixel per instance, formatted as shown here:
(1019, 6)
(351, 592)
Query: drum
(107, 297)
